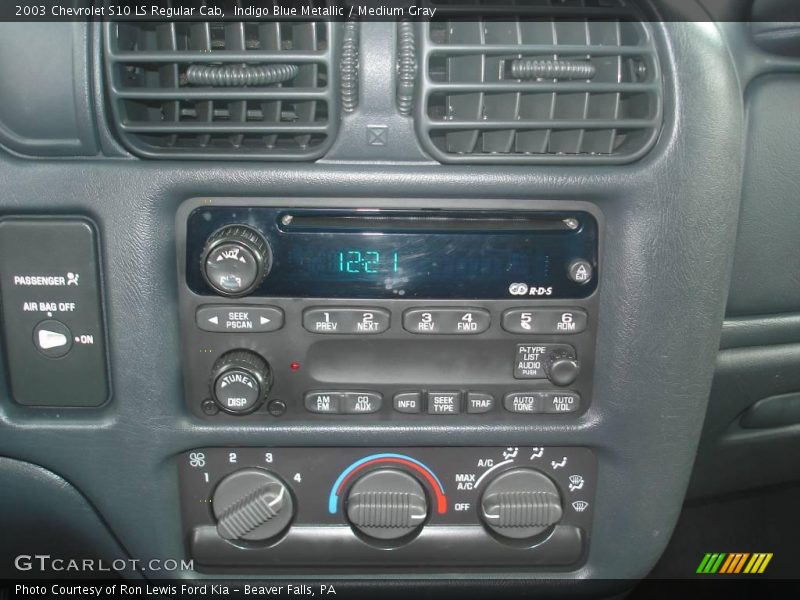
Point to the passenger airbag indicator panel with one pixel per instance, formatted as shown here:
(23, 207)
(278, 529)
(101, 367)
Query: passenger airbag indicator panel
(52, 312)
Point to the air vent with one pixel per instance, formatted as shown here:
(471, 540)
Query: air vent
(216, 90)
(582, 85)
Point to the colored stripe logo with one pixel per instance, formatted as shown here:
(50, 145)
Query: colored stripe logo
(734, 563)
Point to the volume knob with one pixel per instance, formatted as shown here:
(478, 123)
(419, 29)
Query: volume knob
(252, 505)
(235, 260)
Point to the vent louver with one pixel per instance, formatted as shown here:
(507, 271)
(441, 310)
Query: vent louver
(216, 90)
(575, 82)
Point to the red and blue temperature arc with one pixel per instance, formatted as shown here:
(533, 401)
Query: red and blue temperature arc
(399, 459)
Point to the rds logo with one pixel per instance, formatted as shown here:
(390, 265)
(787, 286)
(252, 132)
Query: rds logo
(523, 289)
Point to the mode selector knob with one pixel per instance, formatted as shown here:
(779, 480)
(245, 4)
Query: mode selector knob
(252, 505)
(521, 503)
(387, 504)
(240, 380)
(235, 260)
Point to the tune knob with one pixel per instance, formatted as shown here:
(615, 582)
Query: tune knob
(235, 260)
(240, 380)
(252, 505)
(387, 504)
(520, 504)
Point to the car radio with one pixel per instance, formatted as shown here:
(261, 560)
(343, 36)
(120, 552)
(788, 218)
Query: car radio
(311, 311)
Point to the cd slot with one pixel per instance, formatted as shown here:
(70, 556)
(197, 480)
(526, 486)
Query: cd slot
(416, 222)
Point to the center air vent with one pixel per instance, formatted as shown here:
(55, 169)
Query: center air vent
(569, 82)
(223, 89)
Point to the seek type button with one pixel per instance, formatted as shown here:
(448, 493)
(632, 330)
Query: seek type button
(239, 319)
(346, 320)
(544, 320)
(446, 321)
(444, 403)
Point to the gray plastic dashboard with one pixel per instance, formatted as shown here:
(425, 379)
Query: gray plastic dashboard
(670, 223)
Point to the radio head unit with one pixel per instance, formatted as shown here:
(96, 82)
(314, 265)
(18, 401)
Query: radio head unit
(383, 254)
(312, 312)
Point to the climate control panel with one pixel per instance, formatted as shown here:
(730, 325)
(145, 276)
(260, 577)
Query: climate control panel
(309, 314)
(257, 508)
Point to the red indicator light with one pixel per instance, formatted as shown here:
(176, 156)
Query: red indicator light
(294, 366)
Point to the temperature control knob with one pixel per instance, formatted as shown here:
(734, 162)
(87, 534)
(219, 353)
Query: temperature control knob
(520, 504)
(387, 504)
(252, 505)
(240, 381)
(235, 260)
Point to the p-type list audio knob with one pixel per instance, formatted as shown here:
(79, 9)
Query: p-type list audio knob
(240, 381)
(387, 504)
(562, 368)
(252, 505)
(235, 260)
(520, 504)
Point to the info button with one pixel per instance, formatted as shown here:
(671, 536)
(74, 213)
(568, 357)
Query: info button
(239, 319)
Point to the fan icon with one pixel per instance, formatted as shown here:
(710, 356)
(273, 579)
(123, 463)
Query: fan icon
(197, 459)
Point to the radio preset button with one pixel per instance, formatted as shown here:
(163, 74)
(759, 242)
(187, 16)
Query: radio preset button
(331, 320)
(523, 402)
(239, 319)
(446, 321)
(444, 403)
(360, 403)
(544, 320)
(532, 360)
(408, 402)
(478, 402)
(327, 403)
(561, 402)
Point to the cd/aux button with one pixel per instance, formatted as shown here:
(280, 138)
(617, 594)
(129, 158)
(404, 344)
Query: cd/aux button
(360, 403)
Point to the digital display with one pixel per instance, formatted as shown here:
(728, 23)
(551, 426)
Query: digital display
(450, 256)
(363, 261)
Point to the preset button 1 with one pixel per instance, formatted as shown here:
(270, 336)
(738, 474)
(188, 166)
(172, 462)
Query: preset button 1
(347, 320)
(446, 321)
